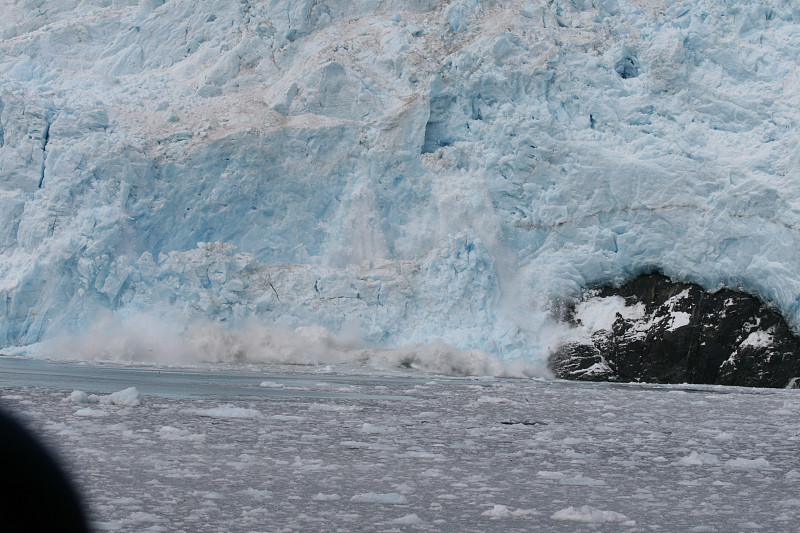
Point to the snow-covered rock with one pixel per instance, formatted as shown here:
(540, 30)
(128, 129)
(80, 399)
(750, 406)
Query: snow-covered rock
(653, 329)
(405, 172)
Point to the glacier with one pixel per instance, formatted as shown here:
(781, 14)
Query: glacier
(393, 173)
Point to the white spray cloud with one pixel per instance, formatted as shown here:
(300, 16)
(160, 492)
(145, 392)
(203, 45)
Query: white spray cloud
(149, 338)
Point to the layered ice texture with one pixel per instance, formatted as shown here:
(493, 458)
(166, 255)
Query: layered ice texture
(389, 173)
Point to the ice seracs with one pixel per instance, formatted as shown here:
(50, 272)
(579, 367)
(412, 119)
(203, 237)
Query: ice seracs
(433, 170)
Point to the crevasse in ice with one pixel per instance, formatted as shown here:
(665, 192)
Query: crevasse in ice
(408, 171)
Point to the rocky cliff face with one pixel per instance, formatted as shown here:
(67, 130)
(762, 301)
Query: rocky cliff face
(657, 330)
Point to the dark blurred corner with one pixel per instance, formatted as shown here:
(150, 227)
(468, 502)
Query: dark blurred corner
(35, 492)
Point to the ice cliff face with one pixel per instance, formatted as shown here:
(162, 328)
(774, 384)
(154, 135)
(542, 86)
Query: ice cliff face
(405, 170)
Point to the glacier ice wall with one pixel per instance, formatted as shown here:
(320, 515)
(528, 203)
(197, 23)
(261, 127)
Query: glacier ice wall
(411, 171)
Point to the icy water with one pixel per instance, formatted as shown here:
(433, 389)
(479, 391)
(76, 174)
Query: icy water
(245, 449)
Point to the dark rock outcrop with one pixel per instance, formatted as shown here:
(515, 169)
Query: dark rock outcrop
(674, 332)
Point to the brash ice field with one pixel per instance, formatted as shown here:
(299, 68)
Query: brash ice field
(291, 449)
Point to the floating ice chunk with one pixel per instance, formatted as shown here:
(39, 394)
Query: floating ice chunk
(88, 412)
(355, 444)
(128, 397)
(590, 515)
(495, 400)
(227, 412)
(699, 459)
(332, 408)
(288, 418)
(255, 512)
(546, 474)
(320, 497)
(125, 501)
(256, 493)
(172, 433)
(409, 519)
(793, 474)
(141, 516)
(502, 511)
(582, 481)
(374, 428)
(106, 526)
(271, 385)
(391, 498)
(749, 464)
(77, 396)
(750, 525)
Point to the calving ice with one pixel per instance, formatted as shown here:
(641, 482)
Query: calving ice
(385, 175)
